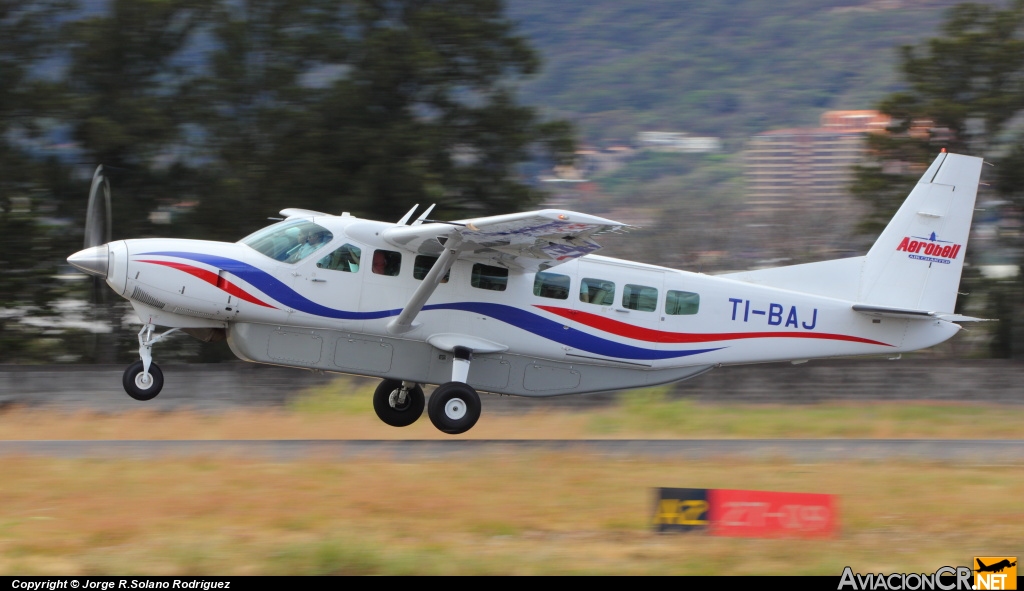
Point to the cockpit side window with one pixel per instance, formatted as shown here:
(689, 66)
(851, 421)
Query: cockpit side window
(289, 241)
(345, 258)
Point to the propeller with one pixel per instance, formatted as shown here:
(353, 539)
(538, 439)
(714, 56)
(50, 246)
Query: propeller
(97, 233)
(97, 214)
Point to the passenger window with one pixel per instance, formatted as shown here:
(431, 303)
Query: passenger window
(681, 303)
(488, 277)
(639, 297)
(344, 258)
(386, 262)
(551, 285)
(597, 291)
(422, 265)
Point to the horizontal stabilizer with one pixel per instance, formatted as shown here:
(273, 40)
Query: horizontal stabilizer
(904, 313)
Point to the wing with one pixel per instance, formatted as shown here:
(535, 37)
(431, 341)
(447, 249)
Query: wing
(294, 212)
(528, 241)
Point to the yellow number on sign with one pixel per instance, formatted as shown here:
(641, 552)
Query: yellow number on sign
(679, 512)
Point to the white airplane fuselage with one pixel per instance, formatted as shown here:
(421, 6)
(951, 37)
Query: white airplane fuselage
(518, 304)
(524, 341)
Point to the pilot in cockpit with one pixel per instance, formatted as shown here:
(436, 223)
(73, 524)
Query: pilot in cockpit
(309, 241)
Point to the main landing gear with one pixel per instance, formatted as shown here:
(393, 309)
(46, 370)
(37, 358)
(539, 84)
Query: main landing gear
(143, 379)
(398, 404)
(454, 406)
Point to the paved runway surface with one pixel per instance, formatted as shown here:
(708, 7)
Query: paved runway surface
(810, 450)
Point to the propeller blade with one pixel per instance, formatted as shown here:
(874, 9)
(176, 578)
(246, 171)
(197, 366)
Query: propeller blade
(98, 215)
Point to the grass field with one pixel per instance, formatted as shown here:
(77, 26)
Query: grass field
(343, 410)
(535, 513)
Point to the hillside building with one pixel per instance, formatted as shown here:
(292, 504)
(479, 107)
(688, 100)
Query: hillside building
(677, 141)
(800, 178)
(808, 167)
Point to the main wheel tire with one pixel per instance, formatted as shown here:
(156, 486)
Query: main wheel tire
(454, 407)
(137, 387)
(385, 403)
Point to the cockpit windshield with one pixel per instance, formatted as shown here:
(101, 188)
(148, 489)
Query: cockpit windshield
(289, 241)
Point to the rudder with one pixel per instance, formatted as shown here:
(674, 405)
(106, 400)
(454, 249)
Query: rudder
(917, 261)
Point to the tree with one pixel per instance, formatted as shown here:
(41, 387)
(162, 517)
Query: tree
(30, 230)
(247, 107)
(965, 91)
(368, 107)
(129, 67)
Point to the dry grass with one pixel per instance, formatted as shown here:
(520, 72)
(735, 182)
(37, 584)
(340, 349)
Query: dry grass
(534, 513)
(501, 514)
(267, 424)
(343, 410)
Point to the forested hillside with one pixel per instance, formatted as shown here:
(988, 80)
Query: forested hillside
(727, 69)
(211, 115)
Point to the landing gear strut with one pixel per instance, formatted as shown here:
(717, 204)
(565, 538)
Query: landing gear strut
(398, 404)
(455, 406)
(143, 379)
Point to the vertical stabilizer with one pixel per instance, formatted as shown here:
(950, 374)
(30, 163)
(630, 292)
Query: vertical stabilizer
(917, 260)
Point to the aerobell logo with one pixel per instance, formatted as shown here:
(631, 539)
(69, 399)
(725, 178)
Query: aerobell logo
(929, 249)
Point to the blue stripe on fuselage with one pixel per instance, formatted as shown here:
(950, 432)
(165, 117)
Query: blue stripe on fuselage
(558, 332)
(274, 288)
(528, 321)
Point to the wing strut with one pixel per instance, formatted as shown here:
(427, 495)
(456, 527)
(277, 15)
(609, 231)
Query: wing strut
(403, 322)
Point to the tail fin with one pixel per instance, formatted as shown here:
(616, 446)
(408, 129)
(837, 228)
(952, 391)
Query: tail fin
(917, 260)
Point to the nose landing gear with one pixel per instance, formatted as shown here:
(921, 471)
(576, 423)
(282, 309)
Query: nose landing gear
(142, 385)
(143, 379)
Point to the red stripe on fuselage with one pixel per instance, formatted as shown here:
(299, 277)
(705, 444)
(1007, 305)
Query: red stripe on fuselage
(213, 279)
(651, 335)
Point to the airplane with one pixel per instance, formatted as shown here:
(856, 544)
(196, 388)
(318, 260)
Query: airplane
(996, 567)
(518, 304)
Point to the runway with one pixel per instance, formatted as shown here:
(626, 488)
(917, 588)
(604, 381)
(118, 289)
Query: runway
(984, 451)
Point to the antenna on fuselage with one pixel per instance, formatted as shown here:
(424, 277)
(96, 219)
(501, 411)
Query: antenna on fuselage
(424, 215)
(405, 218)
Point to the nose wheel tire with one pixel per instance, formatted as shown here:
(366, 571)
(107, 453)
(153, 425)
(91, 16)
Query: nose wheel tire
(392, 410)
(454, 407)
(140, 386)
